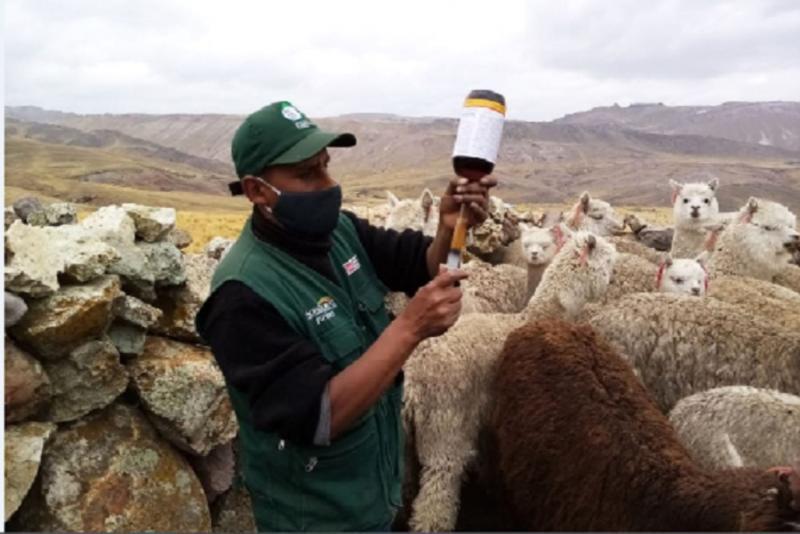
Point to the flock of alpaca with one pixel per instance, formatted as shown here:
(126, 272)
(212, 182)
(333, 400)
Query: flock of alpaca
(626, 389)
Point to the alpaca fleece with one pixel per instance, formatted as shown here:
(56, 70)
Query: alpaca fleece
(681, 345)
(739, 426)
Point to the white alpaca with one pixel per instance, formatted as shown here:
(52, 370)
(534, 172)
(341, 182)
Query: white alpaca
(682, 276)
(539, 246)
(759, 245)
(447, 378)
(595, 216)
(694, 206)
(633, 274)
(739, 426)
(417, 214)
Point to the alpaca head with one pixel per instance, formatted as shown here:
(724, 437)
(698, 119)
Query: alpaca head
(760, 211)
(595, 216)
(580, 272)
(769, 230)
(694, 204)
(540, 245)
(416, 214)
(682, 276)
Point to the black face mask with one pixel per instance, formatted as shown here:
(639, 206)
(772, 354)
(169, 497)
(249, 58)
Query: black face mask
(314, 213)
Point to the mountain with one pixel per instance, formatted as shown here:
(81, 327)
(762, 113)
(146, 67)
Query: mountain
(764, 123)
(544, 162)
(105, 166)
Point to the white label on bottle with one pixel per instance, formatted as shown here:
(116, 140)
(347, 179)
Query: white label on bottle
(479, 133)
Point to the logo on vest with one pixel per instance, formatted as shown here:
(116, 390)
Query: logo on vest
(351, 265)
(323, 311)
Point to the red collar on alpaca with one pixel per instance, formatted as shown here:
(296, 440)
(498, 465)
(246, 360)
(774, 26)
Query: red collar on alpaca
(660, 274)
(705, 278)
(711, 240)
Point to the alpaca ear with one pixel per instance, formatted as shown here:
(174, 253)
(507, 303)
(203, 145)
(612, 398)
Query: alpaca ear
(749, 210)
(676, 189)
(393, 200)
(713, 183)
(584, 202)
(591, 242)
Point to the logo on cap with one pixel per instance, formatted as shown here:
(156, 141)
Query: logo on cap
(291, 113)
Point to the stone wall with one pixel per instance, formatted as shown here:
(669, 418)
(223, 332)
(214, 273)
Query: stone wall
(117, 417)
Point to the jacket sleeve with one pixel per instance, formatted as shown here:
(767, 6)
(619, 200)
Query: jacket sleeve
(399, 258)
(282, 375)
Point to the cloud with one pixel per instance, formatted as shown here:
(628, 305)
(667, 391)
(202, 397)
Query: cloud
(412, 58)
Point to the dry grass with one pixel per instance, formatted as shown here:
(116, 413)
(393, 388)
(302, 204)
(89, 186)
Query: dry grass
(205, 225)
(659, 215)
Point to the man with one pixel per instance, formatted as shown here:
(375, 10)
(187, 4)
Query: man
(297, 322)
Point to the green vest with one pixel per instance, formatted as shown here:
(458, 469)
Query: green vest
(353, 484)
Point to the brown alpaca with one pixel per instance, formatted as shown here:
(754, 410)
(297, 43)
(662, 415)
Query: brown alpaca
(581, 446)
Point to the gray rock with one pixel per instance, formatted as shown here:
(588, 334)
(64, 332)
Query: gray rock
(159, 264)
(27, 387)
(26, 206)
(11, 216)
(184, 392)
(15, 309)
(37, 218)
(181, 304)
(84, 256)
(110, 472)
(144, 291)
(218, 247)
(24, 444)
(233, 511)
(152, 224)
(216, 470)
(128, 339)
(56, 325)
(164, 263)
(41, 254)
(112, 225)
(135, 311)
(59, 213)
(179, 237)
(89, 378)
(33, 269)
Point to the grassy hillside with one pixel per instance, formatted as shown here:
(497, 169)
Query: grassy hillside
(92, 176)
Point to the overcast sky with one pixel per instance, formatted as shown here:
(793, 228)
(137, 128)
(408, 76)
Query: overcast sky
(408, 57)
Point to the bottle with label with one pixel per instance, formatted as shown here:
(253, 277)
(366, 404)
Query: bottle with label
(480, 130)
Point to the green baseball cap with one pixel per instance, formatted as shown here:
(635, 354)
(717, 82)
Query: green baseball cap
(278, 134)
